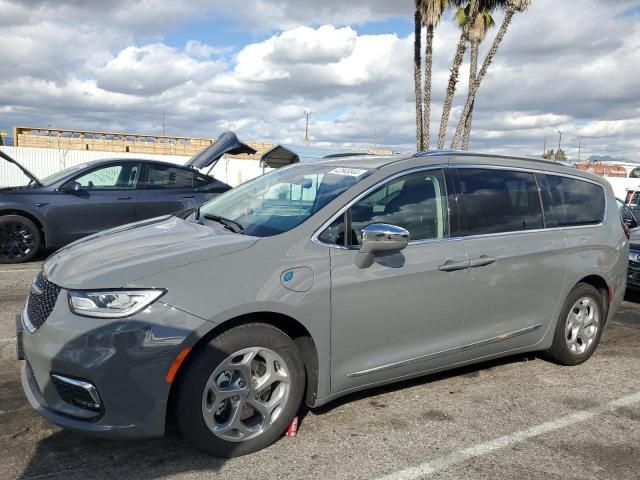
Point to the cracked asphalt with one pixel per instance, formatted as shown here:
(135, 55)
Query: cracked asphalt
(519, 417)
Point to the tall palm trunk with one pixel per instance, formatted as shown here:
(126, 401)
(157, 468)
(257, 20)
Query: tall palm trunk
(473, 90)
(473, 72)
(417, 77)
(455, 71)
(451, 90)
(426, 107)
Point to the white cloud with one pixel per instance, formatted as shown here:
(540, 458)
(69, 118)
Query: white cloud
(575, 70)
(153, 69)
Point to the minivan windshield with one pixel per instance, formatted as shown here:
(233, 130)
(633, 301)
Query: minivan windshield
(280, 200)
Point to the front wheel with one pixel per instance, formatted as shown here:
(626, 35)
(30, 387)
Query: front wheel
(241, 391)
(20, 239)
(579, 327)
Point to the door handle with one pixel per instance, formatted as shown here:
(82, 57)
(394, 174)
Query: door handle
(190, 196)
(124, 198)
(481, 261)
(451, 266)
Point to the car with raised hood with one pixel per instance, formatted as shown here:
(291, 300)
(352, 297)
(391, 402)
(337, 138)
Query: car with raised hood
(84, 199)
(314, 281)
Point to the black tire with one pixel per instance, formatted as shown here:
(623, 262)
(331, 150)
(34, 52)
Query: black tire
(189, 413)
(20, 239)
(559, 351)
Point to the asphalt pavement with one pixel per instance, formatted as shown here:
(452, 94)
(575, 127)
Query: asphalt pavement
(519, 417)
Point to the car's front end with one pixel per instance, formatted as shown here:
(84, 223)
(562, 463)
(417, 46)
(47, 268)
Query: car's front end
(97, 374)
(100, 356)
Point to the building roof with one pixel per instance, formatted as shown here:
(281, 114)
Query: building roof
(286, 153)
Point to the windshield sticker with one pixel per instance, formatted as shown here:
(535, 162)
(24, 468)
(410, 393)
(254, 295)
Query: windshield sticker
(348, 172)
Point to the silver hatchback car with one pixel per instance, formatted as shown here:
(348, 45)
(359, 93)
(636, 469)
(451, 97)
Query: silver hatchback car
(314, 281)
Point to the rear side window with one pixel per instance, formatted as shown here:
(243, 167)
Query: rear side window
(165, 177)
(571, 202)
(497, 201)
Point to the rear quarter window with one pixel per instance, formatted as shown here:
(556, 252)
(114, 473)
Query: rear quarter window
(570, 201)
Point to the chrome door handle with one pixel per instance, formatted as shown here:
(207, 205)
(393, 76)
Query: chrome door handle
(451, 266)
(124, 198)
(481, 261)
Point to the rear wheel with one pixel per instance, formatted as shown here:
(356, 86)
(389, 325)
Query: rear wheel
(579, 327)
(241, 391)
(20, 239)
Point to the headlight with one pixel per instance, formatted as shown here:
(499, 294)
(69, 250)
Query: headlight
(112, 303)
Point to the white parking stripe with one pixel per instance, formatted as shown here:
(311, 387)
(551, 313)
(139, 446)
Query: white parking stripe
(31, 270)
(443, 463)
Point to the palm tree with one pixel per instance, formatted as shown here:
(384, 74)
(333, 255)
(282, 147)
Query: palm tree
(455, 70)
(417, 75)
(431, 12)
(480, 25)
(512, 7)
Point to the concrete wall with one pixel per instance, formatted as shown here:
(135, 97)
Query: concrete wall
(45, 161)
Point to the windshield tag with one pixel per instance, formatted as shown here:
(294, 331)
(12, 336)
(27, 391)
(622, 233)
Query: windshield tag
(348, 172)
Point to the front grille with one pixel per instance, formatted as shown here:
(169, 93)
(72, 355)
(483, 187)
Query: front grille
(41, 301)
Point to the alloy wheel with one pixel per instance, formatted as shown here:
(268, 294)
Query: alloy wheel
(246, 394)
(16, 241)
(582, 325)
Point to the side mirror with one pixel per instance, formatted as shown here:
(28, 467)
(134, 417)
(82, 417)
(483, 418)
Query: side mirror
(380, 237)
(71, 187)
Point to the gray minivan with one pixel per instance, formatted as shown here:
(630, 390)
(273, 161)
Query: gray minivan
(314, 281)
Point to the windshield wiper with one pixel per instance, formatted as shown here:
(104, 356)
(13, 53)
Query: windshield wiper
(229, 224)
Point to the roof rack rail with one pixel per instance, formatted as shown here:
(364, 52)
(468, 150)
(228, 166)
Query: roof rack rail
(438, 153)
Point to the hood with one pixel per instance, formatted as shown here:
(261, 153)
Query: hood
(31, 176)
(228, 142)
(120, 256)
(634, 238)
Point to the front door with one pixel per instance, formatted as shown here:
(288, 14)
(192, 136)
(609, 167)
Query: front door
(106, 199)
(403, 314)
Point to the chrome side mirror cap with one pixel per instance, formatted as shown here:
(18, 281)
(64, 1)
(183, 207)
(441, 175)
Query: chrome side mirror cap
(378, 238)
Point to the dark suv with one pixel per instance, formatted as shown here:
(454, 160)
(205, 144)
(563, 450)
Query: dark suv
(84, 199)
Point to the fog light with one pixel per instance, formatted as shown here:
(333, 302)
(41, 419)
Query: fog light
(77, 392)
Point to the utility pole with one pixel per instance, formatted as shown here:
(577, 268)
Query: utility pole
(544, 149)
(163, 122)
(559, 140)
(306, 128)
(579, 149)
(375, 137)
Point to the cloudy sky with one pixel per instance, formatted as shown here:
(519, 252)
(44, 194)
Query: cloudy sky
(255, 67)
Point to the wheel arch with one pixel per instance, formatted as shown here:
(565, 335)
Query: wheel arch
(289, 325)
(30, 216)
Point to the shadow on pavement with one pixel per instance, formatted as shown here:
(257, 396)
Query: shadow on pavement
(74, 455)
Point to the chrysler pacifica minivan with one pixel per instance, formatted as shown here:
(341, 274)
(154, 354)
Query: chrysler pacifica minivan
(314, 281)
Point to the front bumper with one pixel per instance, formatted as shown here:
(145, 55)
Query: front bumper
(125, 359)
(633, 270)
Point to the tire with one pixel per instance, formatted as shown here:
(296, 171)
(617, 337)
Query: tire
(20, 239)
(204, 401)
(575, 338)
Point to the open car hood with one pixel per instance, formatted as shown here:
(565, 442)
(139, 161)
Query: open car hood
(227, 142)
(24, 170)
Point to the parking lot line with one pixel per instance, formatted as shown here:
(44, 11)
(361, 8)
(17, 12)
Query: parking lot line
(443, 463)
(21, 270)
